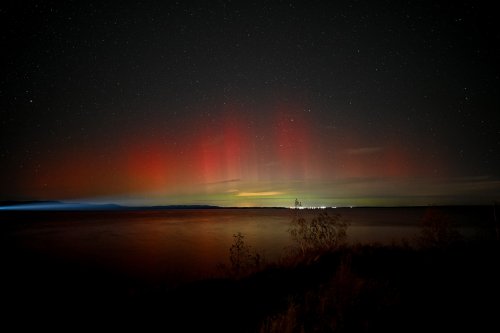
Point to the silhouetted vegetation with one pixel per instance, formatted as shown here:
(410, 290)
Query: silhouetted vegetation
(321, 233)
(320, 309)
(242, 258)
(447, 283)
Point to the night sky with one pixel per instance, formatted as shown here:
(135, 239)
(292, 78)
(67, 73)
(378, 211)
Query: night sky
(242, 103)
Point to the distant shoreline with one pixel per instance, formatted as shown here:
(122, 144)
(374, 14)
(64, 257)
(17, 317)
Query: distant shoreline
(71, 206)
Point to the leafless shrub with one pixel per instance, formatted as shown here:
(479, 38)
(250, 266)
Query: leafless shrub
(323, 232)
(242, 259)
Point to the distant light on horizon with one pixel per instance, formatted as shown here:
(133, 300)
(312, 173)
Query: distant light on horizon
(310, 207)
(214, 113)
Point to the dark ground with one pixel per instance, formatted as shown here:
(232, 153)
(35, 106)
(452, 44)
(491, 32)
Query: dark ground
(387, 288)
(365, 288)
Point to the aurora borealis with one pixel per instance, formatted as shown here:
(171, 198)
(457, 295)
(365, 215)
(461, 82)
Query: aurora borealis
(251, 104)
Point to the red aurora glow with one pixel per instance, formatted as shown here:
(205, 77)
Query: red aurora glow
(222, 156)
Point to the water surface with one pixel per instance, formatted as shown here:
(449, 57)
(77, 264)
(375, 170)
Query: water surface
(169, 246)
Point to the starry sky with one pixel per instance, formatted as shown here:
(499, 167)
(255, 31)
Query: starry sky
(243, 103)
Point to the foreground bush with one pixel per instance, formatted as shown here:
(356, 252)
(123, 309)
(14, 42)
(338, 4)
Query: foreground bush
(322, 233)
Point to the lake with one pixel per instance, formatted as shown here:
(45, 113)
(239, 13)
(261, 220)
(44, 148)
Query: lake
(173, 246)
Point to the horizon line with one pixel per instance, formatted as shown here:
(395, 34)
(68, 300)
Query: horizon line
(47, 205)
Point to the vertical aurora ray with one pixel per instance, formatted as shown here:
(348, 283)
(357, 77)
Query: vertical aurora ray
(236, 152)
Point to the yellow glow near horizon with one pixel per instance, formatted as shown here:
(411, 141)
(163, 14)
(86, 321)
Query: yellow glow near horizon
(258, 194)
